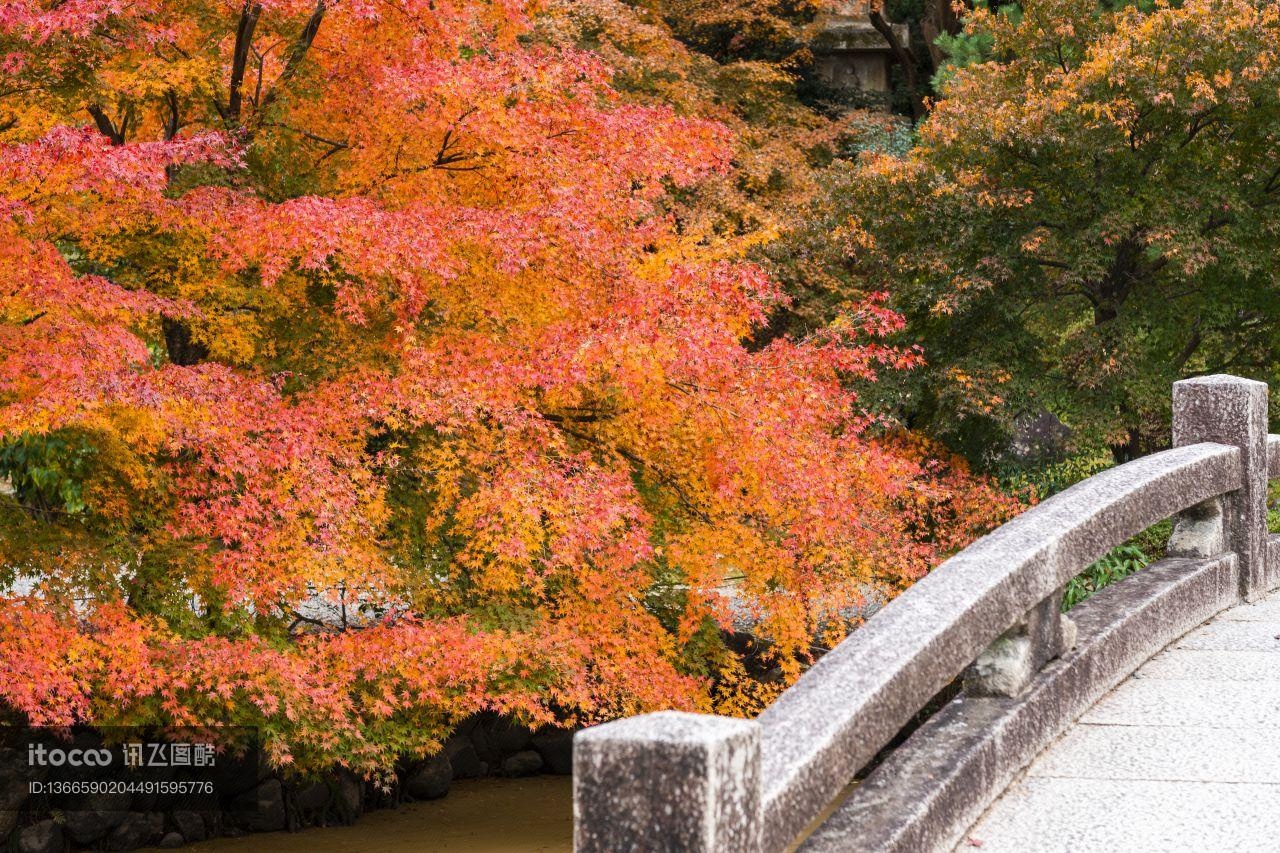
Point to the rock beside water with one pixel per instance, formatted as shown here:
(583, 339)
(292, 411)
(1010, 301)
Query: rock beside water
(191, 824)
(85, 826)
(136, 830)
(432, 780)
(556, 748)
(463, 758)
(265, 805)
(42, 837)
(525, 763)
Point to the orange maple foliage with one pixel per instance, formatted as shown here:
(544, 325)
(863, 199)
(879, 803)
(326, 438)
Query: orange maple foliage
(353, 380)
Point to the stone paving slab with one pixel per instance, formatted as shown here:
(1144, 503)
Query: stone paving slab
(1233, 634)
(1182, 756)
(1267, 610)
(1213, 665)
(1165, 702)
(1161, 753)
(1105, 816)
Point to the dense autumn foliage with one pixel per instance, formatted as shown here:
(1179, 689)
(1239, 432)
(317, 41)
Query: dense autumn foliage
(356, 376)
(1092, 212)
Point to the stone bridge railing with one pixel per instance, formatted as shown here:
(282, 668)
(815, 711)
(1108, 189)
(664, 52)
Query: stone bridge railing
(691, 782)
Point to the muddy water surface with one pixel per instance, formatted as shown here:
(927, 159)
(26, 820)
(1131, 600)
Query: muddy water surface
(533, 815)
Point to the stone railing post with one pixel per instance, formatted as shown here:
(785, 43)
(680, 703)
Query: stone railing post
(1006, 667)
(668, 781)
(1228, 410)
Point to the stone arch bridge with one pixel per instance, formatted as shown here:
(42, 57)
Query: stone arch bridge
(1148, 720)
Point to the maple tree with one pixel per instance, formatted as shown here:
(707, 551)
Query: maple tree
(785, 147)
(775, 30)
(779, 144)
(1090, 214)
(355, 377)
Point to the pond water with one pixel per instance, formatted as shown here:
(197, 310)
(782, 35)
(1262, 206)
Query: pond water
(533, 815)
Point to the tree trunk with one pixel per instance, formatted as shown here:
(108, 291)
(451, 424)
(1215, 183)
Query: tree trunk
(1129, 449)
(180, 347)
(106, 126)
(905, 58)
(249, 15)
(939, 17)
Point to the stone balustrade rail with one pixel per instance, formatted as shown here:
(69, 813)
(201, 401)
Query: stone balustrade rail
(989, 616)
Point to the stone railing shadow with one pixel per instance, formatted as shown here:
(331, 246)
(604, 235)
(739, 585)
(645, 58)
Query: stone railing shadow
(990, 615)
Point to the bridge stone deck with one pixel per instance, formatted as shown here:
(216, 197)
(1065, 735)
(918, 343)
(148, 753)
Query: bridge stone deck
(1182, 755)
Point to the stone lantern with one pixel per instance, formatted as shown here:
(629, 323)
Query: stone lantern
(850, 52)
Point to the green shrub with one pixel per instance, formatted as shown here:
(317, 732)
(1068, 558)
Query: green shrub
(1118, 564)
